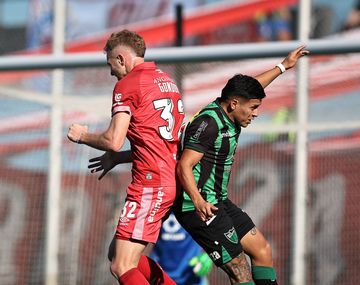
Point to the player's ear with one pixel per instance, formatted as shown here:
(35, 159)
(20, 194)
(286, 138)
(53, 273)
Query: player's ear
(233, 103)
(120, 58)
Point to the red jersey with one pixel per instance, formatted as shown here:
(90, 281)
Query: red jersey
(153, 100)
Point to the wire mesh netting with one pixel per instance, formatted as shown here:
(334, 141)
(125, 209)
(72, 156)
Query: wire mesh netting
(262, 179)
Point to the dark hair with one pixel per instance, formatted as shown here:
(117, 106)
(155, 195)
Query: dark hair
(242, 86)
(126, 38)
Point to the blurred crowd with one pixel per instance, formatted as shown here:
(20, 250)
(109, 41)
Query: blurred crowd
(327, 19)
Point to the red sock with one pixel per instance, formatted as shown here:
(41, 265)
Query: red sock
(133, 277)
(153, 272)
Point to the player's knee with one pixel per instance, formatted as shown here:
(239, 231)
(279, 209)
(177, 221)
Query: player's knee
(120, 265)
(115, 271)
(117, 268)
(264, 255)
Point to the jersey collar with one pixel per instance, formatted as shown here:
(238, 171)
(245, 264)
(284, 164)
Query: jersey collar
(145, 65)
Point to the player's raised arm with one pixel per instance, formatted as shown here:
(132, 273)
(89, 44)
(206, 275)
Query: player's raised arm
(290, 61)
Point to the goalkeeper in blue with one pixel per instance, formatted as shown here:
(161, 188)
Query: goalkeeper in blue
(180, 256)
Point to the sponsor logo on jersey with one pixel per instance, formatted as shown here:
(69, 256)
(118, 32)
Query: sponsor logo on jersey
(173, 237)
(117, 97)
(201, 128)
(171, 230)
(231, 235)
(156, 206)
(124, 220)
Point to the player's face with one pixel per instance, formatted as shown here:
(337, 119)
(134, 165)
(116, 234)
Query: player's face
(245, 111)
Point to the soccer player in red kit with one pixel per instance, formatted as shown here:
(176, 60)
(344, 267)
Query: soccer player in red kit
(148, 111)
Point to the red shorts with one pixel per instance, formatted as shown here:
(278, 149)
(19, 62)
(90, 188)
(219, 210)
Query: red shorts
(144, 211)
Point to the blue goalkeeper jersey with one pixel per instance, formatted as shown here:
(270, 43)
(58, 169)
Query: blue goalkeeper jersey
(174, 250)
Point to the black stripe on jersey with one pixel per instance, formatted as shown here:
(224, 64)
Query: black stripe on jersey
(205, 174)
(225, 148)
(206, 166)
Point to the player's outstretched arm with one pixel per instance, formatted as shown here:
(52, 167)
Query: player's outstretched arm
(108, 161)
(290, 61)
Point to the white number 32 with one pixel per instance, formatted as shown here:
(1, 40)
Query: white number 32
(167, 107)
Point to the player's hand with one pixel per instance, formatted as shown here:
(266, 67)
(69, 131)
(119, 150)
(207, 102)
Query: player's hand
(102, 163)
(205, 210)
(75, 131)
(293, 56)
(201, 264)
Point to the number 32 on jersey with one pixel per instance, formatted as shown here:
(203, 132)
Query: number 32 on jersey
(167, 114)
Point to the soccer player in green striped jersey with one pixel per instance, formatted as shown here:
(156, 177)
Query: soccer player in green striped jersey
(224, 230)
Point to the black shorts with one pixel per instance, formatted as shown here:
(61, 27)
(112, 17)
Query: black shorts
(221, 237)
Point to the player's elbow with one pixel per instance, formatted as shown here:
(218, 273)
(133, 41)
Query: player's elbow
(115, 145)
(112, 142)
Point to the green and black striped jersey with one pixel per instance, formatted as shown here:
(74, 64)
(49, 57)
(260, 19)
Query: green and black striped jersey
(212, 133)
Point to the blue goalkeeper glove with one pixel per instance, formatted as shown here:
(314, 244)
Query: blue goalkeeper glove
(201, 264)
